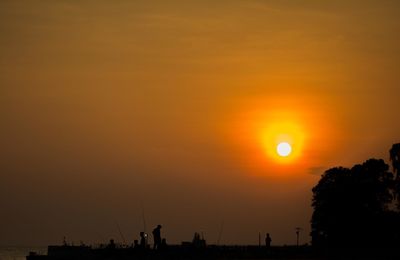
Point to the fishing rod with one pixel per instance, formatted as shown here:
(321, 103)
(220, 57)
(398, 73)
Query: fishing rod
(143, 217)
(120, 233)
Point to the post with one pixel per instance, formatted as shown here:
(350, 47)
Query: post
(297, 235)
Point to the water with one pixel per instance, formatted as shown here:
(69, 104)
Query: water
(19, 253)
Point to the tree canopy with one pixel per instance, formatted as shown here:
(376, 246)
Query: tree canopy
(354, 207)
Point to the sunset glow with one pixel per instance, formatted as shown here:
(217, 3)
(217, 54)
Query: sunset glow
(174, 108)
(304, 122)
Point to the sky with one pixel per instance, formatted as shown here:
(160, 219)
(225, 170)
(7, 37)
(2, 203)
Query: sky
(128, 114)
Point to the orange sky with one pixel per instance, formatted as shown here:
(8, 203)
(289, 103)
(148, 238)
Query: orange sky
(108, 106)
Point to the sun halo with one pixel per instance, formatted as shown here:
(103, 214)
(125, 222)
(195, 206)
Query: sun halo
(282, 142)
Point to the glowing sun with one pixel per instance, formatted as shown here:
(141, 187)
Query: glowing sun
(284, 149)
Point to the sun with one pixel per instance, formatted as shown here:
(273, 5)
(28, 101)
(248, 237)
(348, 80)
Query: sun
(282, 141)
(284, 149)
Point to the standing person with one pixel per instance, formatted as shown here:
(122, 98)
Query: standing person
(157, 237)
(268, 241)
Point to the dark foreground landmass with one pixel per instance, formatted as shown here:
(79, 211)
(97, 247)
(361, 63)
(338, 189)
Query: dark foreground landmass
(181, 252)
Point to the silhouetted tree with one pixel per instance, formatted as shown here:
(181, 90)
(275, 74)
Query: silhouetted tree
(351, 206)
(395, 157)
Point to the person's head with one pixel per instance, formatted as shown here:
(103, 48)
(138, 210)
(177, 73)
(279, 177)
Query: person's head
(141, 234)
(159, 226)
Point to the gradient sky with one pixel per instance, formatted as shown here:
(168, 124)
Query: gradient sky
(111, 107)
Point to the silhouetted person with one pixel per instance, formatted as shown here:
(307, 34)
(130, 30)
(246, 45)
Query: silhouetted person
(135, 243)
(111, 245)
(198, 242)
(157, 237)
(268, 241)
(142, 240)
